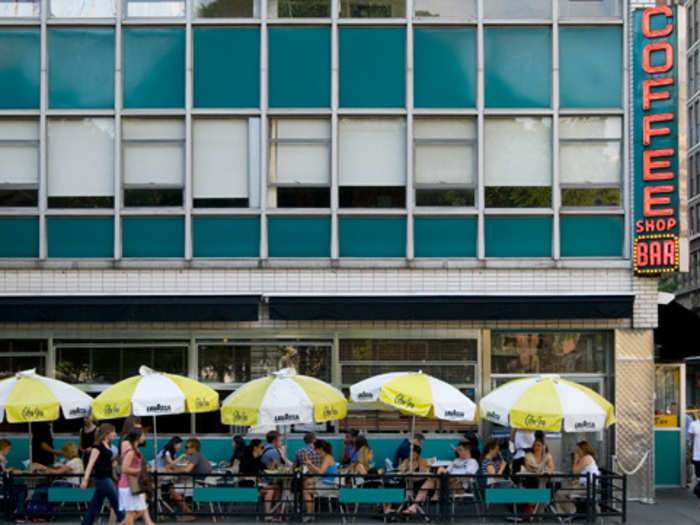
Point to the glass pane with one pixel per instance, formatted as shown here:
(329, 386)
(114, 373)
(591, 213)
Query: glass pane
(106, 365)
(300, 197)
(83, 8)
(590, 8)
(590, 162)
(590, 197)
(445, 8)
(445, 164)
(153, 163)
(225, 8)
(224, 364)
(220, 163)
(22, 345)
(444, 128)
(590, 127)
(549, 352)
(372, 8)
(408, 350)
(541, 9)
(454, 197)
(19, 8)
(668, 388)
(372, 196)
(155, 8)
(20, 164)
(299, 8)
(300, 163)
(9, 366)
(21, 67)
(73, 365)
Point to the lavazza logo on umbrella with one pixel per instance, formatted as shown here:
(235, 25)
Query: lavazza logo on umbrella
(78, 412)
(453, 413)
(493, 415)
(364, 395)
(582, 425)
(158, 408)
(287, 417)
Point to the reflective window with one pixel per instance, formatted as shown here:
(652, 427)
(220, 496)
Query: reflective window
(155, 8)
(445, 161)
(521, 145)
(372, 8)
(299, 8)
(590, 8)
(590, 161)
(300, 163)
(226, 8)
(19, 169)
(372, 157)
(22, 354)
(445, 9)
(19, 8)
(81, 163)
(153, 161)
(550, 352)
(535, 9)
(83, 8)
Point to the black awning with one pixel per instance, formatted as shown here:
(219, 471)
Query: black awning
(678, 333)
(450, 308)
(142, 308)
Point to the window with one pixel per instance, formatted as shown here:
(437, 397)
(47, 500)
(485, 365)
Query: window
(576, 239)
(445, 161)
(300, 162)
(22, 354)
(512, 236)
(532, 9)
(372, 157)
(590, 8)
(19, 237)
(550, 352)
(225, 170)
(451, 360)
(299, 236)
(372, 236)
(83, 9)
(691, 76)
(81, 163)
(691, 126)
(590, 161)
(226, 8)
(518, 162)
(153, 237)
(693, 220)
(79, 237)
(20, 71)
(19, 169)
(20, 8)
(154, 161)
(445, 9)
(155, 8)
(299, 8)
(372, 8)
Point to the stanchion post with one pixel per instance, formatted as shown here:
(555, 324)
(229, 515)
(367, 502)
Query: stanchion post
(444, 497)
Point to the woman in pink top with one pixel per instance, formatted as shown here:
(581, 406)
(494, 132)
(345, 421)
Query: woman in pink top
(134, 505)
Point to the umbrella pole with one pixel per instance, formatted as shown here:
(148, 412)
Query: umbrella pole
(155, 441)
(31, 459)
(410, 439)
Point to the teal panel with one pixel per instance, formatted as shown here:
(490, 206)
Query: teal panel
(518, 67)
(153, 237)
(81, 68)
(227, 494)
(590, 67)
(154, 68)
(591, 236)
(372, 67)
(444, 68)
(300, 67)
(80, 237)
(518, 236)
(226, 236)
(667, 457)
(444, 236)
(70, 495)
(299, 236)
(20, 65)
(226, 67)
(19, 237)
(504, 495)
(372, 236)
(371, 495)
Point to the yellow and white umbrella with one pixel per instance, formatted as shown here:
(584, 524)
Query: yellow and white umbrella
(547, 403)
(283, 398)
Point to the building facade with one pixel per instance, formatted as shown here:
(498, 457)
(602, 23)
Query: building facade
(442, 185)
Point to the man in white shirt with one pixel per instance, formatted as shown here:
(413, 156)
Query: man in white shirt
(523, 440)
(694, 433)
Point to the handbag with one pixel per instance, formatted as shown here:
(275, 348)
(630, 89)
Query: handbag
(134, 484)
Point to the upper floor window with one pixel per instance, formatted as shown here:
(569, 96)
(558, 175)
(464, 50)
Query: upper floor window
(19, 169)
(83, 9)
(226, 8)
(299, 8)
(372, 8)
(590, 8)
(20, 8)
(155, 8)
(445, 9)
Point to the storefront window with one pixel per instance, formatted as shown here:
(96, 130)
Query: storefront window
(22, 354)
(549, 352)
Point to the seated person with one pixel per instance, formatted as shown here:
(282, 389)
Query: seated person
(239, 450)
(404, 449)
(328, 467)
(250, 465)
(367, 472)
(584, 464)
(168, 454)
(42, 445)
(360, 441)
(197, 465)
(18, 495)
(538, 460)
(274, 455)
(463, 465)
(492, 464)
(307, 451)
(349, 447)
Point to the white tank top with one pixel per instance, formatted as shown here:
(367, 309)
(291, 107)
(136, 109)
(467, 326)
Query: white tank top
(591, 468)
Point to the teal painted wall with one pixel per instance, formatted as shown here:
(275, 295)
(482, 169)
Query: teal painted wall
(518, 236)
(372, 67)
(372, 236)
(590, 67)
(300, 67)
(518, 67)
(667, 457)
(80, 237)
(445, 236)
(591, 236)
(19, 237)
(226, 236)
(299, 236)
(444, 68)
(153, 237)
(20, 65)
(81, 68)
(226, 67)
(154, 67)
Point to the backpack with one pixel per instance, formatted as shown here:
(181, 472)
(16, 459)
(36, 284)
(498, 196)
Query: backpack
(39, 506)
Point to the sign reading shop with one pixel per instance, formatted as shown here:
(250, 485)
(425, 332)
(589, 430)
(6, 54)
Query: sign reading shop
(656, 216)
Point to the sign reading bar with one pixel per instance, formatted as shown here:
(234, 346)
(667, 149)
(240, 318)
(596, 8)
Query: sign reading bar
(656, 216)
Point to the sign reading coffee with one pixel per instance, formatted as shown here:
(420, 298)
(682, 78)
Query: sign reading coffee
(656, 175)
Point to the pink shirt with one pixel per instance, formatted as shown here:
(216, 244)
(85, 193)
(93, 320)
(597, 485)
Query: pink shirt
(135, 464)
